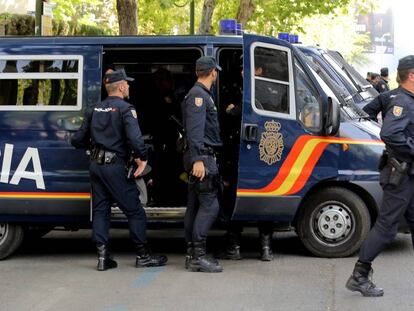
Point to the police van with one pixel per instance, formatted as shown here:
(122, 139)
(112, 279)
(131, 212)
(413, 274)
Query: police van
(303, 160)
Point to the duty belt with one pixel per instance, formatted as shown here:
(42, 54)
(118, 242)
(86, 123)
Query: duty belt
(209, 151)
(102, 156)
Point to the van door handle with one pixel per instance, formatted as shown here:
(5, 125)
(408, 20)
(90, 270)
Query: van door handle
(250, 132)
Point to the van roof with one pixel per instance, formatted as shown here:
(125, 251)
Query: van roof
(124, 40)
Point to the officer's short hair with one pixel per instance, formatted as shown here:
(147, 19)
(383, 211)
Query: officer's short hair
(402, 75)
(203, 73)
(112, 87)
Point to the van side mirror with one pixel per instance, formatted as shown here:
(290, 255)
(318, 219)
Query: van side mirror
(333, 119)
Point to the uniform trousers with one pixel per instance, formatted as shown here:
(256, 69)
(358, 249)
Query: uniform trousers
(398, 201)
(202, 208)
(109, 185)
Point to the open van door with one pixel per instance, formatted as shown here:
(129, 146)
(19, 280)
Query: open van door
(282, 108)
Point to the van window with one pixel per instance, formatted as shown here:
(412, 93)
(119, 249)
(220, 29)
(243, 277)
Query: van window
(308, 105)
(271, 80)
(40, 82)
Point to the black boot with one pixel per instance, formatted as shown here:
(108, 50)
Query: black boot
(360, 281)
(146, 259)
(189, 254)
(200, 262)
(266, 253)
(232, 251)
(105, 260)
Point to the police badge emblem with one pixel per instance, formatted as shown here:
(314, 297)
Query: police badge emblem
(198, 101)
(271, 143)
(397, 111)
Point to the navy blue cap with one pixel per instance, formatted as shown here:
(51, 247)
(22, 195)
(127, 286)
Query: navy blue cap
(117, 75)
(384, 72)
(406, 63)
(205, 63)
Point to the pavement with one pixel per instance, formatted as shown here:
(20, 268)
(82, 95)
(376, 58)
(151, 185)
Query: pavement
(58, 272)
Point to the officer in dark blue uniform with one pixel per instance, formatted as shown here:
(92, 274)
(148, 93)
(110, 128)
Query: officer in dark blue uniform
(203, 139)
(396, 178)
(382, 85)
(112, 132)
(380, 104)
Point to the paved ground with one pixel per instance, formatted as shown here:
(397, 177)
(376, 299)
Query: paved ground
(57, 273)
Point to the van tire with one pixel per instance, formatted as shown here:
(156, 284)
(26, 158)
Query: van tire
(11, 236)
(333, 222)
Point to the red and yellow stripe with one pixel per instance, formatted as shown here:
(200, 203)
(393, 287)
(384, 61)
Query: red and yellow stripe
(46, 195)
(299, 164)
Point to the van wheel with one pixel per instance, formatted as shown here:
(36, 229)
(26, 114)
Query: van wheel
(333, 222)
(11, 237)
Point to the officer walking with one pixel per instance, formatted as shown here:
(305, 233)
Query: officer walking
(396, 178)
(112, 132)
(203, 137)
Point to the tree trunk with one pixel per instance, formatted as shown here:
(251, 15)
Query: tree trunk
(127, 17)
(245, 11)
(205, 24)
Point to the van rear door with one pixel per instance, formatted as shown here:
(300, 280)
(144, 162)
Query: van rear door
(281, 107)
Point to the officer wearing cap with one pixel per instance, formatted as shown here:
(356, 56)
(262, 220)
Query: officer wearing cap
(382, 85)
(396, 178)
(381, 103)
(203, 138)
(112, 132)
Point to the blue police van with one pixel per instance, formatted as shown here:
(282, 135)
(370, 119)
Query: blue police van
(304, 161)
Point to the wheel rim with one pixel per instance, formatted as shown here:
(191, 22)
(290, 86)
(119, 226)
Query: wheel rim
(4, 231)
(332, 223)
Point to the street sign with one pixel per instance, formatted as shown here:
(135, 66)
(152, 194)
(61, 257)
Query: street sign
(48, 9)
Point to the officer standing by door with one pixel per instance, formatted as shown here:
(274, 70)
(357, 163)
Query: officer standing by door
(203, 138)
(112, 132)
(396, 178)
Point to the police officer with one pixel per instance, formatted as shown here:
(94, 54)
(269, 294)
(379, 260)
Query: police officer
(396, 179)
(382, 85)
(203, 137)
(380, 104)
(111, 130)
(230, 159)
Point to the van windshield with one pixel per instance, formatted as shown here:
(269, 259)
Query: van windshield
(350, 109)
(346, 70)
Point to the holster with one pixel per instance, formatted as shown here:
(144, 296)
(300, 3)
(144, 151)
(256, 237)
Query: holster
(398, 171)
(207, 185)
(383, 160)
(131, 167)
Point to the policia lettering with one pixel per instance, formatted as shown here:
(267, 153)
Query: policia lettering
(396, 178)
(111, 130)
(202, 130)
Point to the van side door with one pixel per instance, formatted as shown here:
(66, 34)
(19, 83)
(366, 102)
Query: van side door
(281, 108)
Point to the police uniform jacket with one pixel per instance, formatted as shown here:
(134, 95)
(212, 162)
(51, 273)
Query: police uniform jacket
(112, 125)
(398, 127)
(380, 104)
(201, 122)
(382, 86)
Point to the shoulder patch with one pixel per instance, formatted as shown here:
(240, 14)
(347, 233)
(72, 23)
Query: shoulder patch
(198, 101)
(134, 113)
(397, 111)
